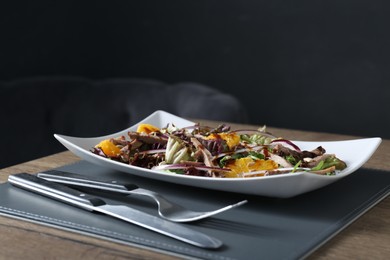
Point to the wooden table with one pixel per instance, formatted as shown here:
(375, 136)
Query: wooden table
(366, 238)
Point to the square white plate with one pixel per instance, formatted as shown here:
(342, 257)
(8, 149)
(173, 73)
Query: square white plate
(354, 152)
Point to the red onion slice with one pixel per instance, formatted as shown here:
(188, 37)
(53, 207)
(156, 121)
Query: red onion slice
(288, 142)
(198, 166)
(274, 172)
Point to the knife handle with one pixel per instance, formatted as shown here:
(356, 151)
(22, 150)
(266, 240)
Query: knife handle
(54, 190)
(80, 180)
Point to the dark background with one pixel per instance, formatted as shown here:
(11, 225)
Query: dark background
(311, 65)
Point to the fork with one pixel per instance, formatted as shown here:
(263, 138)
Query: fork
(166, 209)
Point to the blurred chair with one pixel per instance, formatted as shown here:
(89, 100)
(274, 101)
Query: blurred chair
(32, 110)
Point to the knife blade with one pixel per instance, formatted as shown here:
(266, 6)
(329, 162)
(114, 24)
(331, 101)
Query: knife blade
(91, 203)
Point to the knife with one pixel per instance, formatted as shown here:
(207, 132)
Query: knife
(91, 203)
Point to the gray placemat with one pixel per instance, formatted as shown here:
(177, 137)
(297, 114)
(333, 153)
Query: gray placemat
(267, 228)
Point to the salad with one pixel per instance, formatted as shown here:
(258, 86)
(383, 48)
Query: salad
(215, 152)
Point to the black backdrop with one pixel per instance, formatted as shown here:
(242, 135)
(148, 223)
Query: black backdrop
(311, 65)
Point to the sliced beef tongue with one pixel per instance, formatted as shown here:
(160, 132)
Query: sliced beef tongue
(148, 139)
(298, 155)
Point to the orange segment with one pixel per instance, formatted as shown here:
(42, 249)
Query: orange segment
(247, 164)
(147, 128)
(231, 139)
(109, 149)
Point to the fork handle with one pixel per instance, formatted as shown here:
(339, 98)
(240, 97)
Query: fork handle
(83, 181)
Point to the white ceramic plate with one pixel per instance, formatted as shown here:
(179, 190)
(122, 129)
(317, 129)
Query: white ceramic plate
(354, 152)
